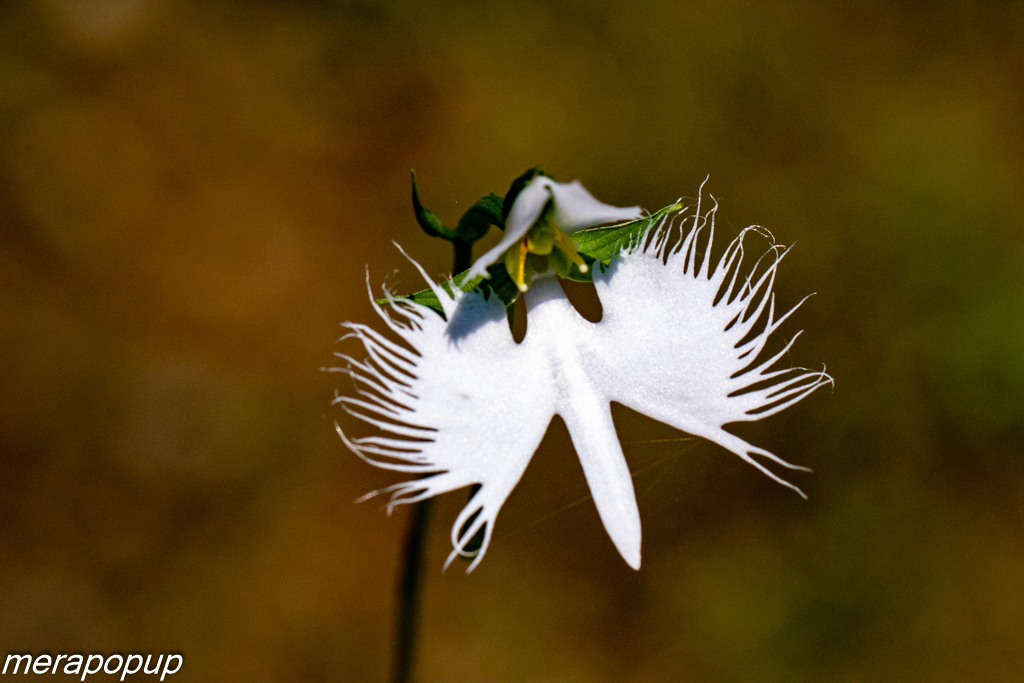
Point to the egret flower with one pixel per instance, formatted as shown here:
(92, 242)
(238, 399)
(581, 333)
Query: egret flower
(460, 402)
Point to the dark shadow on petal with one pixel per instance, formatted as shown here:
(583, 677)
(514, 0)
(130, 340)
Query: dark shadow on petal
(473, 312)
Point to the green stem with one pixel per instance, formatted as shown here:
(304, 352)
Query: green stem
(409, 592)
(463, 255)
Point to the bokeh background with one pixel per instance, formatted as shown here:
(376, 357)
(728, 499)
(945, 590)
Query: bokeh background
(190, 192)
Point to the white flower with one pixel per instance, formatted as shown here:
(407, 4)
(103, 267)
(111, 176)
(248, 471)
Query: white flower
(462, 403)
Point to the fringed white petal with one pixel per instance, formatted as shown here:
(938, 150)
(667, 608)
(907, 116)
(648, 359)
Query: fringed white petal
(460, 402)
(681, 341)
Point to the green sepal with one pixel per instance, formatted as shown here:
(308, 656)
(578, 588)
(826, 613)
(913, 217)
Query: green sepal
(481, 216)
(472, 226)
(427, 219)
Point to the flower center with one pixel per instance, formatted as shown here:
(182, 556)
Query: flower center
(543, 250)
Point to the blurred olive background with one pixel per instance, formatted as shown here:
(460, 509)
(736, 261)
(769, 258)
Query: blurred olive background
(190, 192)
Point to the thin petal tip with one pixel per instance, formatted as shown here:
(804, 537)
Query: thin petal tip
(633, 559)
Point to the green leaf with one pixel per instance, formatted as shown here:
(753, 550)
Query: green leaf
(601, 244)
(499, 284)
(481, 216)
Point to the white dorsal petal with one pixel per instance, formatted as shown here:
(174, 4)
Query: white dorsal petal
(574, 209)
(475, 405)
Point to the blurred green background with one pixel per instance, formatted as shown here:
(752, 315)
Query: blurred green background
(190, 192)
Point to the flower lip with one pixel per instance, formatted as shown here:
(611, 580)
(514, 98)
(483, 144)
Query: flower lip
(573, 208)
